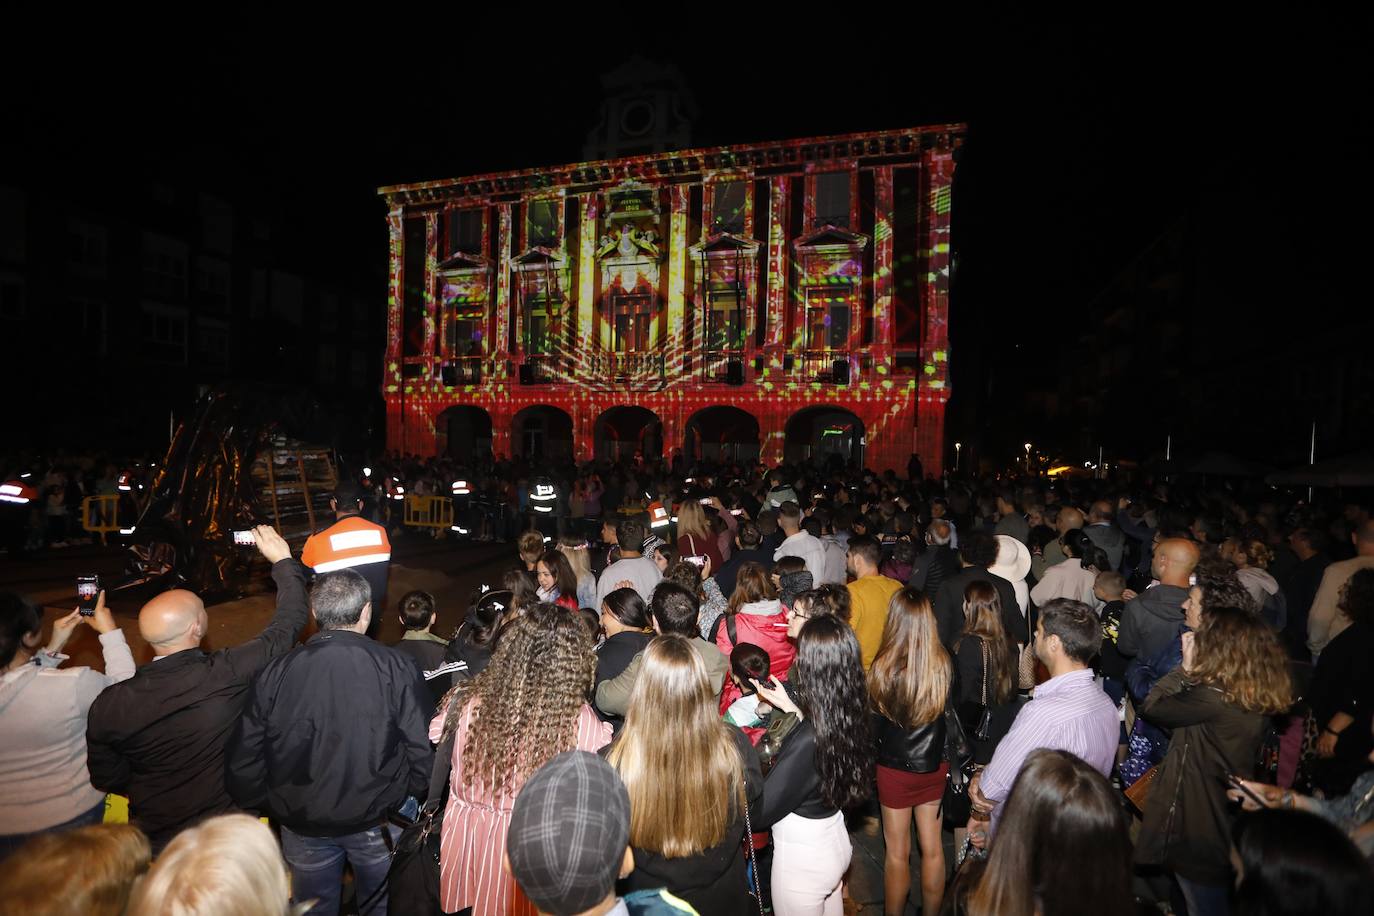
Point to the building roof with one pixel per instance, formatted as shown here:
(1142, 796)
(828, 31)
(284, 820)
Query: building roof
(877, 147)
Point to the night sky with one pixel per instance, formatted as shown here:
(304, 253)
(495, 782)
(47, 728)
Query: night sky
(1086, 141)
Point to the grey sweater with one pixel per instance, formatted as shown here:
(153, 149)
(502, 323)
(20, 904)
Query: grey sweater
(43, 776)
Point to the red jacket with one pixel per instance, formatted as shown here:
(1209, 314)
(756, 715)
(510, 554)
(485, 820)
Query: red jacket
(763, 623)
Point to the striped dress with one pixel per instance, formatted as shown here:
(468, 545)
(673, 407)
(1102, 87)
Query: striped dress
(473, 842)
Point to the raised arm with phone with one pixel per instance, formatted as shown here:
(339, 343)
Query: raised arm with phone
(161, 737)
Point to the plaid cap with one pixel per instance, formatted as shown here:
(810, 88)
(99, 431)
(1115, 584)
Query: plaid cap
(568, 833)
(652, 543)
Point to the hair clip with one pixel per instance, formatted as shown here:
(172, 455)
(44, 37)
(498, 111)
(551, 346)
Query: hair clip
(498, 605)
(483, 589)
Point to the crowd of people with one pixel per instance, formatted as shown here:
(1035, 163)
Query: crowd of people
(694, 685)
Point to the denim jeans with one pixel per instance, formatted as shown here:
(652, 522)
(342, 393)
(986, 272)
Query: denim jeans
(11, 842)
(317, 863)
(1205, 899)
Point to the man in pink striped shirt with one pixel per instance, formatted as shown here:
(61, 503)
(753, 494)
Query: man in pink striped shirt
(1069, 712)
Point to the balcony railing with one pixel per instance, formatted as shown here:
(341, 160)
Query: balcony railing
(464, 370)
(645, 369)
(541, 369)
(832, 366)
(716, 366)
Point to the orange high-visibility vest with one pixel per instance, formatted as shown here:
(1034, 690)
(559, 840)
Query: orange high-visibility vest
(353, 541)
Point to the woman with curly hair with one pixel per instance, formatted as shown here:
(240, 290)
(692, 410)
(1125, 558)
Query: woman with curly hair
(910, 684)
(1216, 587)
(823, 767)
(529, 704)
(1234, 675)
(1343, 692)
(689, 776)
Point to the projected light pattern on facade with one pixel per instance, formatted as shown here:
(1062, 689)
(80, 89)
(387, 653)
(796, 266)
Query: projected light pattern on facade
(784, 300)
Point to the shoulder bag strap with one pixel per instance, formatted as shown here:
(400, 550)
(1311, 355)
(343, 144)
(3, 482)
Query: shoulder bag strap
(982, 644)
(757, 887)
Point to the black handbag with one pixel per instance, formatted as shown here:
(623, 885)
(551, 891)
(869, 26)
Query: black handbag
(412, 881)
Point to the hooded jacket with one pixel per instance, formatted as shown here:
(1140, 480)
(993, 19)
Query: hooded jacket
(1150, 620)
(763, 623)
(1110, 539)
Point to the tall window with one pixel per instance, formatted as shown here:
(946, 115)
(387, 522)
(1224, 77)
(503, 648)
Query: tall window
(465, 320)
(827, 318)
(465, 231)
(164, 268)
(832, 199)
(725, 318)
(728, 199)
(633, 316)
(164, 333)
(86, 245)
(541, 224)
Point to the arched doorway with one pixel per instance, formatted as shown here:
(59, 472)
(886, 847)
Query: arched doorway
(823, 435)
(622, 431)
(542, 433)
(466, 432)
(722, 434)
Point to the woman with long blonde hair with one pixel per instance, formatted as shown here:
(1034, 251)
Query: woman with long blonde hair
(1233, 677)
(696, 541)
(580, 559)
(909, 685)
(527, 705)
(689, 776)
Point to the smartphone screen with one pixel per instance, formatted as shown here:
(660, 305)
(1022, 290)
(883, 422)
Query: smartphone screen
(244, 538)
(699, 561)
(87, 590)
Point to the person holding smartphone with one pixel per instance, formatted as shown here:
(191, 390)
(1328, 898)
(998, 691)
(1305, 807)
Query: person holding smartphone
(44, 783)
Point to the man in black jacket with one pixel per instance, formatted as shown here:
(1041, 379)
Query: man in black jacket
(160, 737)
(938, 563)
(747, 549)
(977, 551)
(334, 738)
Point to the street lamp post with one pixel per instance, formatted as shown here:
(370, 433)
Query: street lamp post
(957, 447)
(1028, 448)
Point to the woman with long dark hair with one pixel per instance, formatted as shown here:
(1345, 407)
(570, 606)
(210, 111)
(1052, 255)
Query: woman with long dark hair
(557, 583)
(689, 776)
(1062, 849)
(527, 706)
(1233, 676)
(823, 767)
(475, 638)
(1295, 864)
(625, 621)
(910, 684)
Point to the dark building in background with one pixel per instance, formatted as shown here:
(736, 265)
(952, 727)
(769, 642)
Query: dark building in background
(1240, 326)
(121, 305)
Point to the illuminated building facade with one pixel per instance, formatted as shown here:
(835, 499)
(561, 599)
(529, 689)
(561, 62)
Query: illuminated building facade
(776, 300)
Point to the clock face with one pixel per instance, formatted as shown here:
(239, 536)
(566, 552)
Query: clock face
(636, 118)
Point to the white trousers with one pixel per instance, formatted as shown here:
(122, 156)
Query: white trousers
(810, 858)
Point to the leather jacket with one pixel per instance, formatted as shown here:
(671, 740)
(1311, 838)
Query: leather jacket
(916, 750)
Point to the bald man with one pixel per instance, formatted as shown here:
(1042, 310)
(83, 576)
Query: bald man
(1068, 519)
(1150, 620)
(160, 737)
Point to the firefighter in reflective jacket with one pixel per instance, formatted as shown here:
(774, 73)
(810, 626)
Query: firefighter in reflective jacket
(543, 500)
(460, 493)
(354, 543)
(18, 500)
